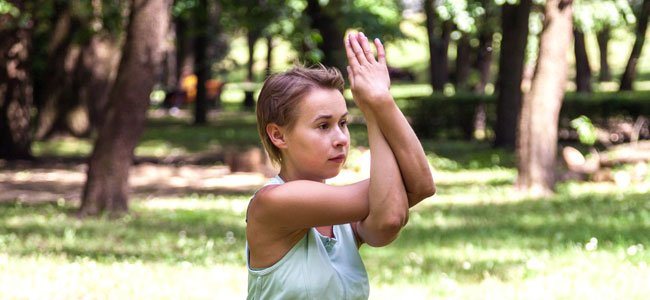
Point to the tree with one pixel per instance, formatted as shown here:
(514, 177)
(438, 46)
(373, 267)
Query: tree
(438, 47)
(596, 17)
(201, 65)
(583, 70)
(255, 17)
(487, 24)
(514, 24)
(538, 123)
(640, 31)
(112, 156)
(199, 42)
(599, 17)
(79, 52)
(15, 80)
(603, 47)
(319, 33)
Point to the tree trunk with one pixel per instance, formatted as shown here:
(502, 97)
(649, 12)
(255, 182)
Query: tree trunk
(603, 45)
(15, 86)
(484, 61)
(438, 69)
(514, 23)
(324, 20)
(538, 126)
(583, 70)
(269, 54)
(57, 97)
(252, 36)
(463, 63)
(170, 65)
(201, 63)
(184, 48)
(630, 69)
(106, 188)
(96, 74)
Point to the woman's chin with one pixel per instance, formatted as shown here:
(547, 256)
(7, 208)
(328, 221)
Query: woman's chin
(333, 174)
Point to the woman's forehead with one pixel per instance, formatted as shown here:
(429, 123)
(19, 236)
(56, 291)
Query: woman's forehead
(322, 101)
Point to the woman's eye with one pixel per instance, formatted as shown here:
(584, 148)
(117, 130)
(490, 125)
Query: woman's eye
(343, 123)
(323, 126)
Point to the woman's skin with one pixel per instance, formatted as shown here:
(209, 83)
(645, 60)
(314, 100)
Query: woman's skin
(315, 147)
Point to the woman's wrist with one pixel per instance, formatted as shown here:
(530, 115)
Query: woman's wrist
(375, 103)
(382, 104)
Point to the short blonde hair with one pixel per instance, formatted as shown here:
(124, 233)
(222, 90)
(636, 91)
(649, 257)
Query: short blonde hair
(281, 94)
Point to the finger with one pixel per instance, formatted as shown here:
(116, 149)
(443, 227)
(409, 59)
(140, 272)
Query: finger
(366, 48)
(350, 76)
(358, 51)
(352, 58)
(381, 53)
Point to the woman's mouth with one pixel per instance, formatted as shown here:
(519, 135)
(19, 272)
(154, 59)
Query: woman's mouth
(338, 159)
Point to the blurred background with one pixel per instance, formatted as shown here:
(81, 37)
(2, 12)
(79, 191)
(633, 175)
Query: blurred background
(129, 148)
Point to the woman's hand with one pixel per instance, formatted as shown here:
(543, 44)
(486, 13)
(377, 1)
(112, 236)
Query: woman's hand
(368, 77)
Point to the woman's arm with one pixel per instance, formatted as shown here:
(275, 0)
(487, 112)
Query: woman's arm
(303, 204)
(404, 144)
(388, 202)
(388, 205)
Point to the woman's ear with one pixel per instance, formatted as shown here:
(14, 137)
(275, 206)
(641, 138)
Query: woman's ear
(276, 133)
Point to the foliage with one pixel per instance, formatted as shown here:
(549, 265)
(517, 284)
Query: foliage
(451, 117)
(375, 18)
(586, 130)
(254, 15)
(595, 16)
(8, 8)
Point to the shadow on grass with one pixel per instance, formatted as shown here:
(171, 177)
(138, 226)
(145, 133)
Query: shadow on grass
(202, 236)
(559, 222)
(469, 241)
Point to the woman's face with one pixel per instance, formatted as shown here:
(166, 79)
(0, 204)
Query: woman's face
(318, 143)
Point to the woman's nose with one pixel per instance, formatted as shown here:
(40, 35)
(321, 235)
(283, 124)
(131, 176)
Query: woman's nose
(340, 138)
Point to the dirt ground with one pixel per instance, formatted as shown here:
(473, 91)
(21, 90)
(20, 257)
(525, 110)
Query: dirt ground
(49, 180)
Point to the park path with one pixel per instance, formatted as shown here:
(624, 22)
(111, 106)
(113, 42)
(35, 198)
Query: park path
(39, 182)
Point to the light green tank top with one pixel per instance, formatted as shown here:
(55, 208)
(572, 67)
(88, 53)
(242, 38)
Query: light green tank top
(317, 267)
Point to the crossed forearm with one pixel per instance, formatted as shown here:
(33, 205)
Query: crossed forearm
(407, 150)
(388, 205)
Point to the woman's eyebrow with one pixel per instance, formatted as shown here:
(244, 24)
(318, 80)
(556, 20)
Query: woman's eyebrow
(322, 117)
(328, 116)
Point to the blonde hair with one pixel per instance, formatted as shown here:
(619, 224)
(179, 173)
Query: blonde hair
(281, 94)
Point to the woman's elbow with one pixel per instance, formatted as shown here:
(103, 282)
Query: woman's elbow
(429, 190)
(426, 187)
(387, 233)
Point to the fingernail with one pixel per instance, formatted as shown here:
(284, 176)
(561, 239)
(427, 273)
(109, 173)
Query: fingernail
(361, 34)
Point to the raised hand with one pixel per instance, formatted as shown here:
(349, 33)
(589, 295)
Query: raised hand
(368, 77)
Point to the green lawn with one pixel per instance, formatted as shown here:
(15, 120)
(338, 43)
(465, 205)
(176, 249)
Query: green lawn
(475, 238)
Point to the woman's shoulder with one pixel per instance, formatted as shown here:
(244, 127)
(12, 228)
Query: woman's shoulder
(273, 181)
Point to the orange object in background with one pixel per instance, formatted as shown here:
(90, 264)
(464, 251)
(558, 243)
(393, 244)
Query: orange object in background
(188, 84)
(186, 91)
(213, 88)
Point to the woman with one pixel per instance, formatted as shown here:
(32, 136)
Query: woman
(302, 234)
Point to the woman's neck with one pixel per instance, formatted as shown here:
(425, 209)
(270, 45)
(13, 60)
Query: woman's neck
(291, 174)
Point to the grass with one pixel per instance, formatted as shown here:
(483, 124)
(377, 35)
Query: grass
(475, 238)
